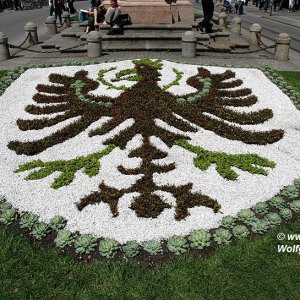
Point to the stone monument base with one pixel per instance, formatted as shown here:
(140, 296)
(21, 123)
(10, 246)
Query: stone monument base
(157, 11)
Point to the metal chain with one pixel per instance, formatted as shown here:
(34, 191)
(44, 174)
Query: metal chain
(39, 51)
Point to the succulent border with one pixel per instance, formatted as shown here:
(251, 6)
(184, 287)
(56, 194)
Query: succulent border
(257, 225)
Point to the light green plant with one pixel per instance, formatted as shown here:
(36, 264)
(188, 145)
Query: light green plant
(199, 238)
(273, 219)
(246, 215)
(261, 208)
(277, 202)
(131, 248)
(28, 220)
(228, 222)
(224, 162)
(295, 206)
(85, 244)
(153, 247)
(177, 244)
(175, 81)
(240, 231)
(260, 226)
(286, 213)
(63, 238)
(40, 230)
(108, 247)
(58, 222)
(222, 236)
(8, 216)
(291, 192)
(4, 206)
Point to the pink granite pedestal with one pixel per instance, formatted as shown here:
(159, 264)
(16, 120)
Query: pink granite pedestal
(157, 11)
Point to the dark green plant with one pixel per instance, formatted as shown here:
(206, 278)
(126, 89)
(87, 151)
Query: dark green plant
(85, 244)
(228, 222)
(273, 219)
(246, 215)
(240, 231)
(260, 226)
(277, 202)
(295, 206)
(58, 222)
(261, 208)
(153, 247)
(199, 238)
(108, 247)
(177, 244)
(222, 236)
(131, 248)
(28, 220)
(8, 216)
(286, 213)
(40, 230)
(63, 238)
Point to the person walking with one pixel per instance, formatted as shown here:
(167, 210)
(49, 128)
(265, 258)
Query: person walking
(208, 12)
(58, 6)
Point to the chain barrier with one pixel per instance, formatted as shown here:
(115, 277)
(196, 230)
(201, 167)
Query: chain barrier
(39, 51)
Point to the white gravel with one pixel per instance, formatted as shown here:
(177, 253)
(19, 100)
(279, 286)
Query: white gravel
(248, 189)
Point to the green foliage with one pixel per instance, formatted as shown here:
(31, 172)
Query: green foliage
(149, 62)
(177, 244)
(291, 192)
(224, 162)
(101, 78)
(222, 236)
(108, 247)
(277, 202)
(78, 85)
(153, 247)
(228, 222)
(240, 231)
(261, 208)
(286, 213)
(63, 238)
(40, 230)
(90, 165)
(246, 215)
(8, 216)
(198, 96)
(4, 206)
(28, 220)
(260, 226)
(127, 74)
(295, 206)
(85, 243)
(131, 248)
(199, 238)
(175, 81)
(58, 222)
(273, 219)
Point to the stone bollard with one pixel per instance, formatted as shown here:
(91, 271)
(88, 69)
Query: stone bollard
(4, 51)
(31, 29)
(255, 33)
(51, 25)
(188, 42)
(236, 25)
(222, 19)
(94, 48)
(66, 20)
(282, 46)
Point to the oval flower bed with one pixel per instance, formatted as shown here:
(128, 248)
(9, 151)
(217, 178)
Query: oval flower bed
(147, 157)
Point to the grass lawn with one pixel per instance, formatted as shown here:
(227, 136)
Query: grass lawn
(293, 78)
(249, 269)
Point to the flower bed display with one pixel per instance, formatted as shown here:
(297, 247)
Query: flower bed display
(147, 155)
